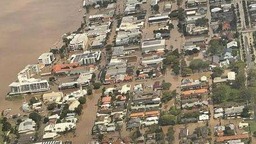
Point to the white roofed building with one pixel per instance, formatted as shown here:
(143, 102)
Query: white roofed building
(153, 45)
(79, 42)
(52, 97)
(31, 85)
(46, 58)
(27, 126)
(59, 127)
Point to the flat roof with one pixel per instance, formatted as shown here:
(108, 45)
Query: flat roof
(152, 43)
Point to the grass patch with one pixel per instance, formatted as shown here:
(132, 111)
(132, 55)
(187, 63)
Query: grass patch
(252, 126)
(14, 97)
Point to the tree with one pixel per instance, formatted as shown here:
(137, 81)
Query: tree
(254, 134)
(216, 47)
(198, 64)
(220, 93)
(93, 76)
(174, 111)
(79, 109)
(33, 100)
(6, 125)
(82, 100)
(228, 131)
(186, 71)
(137, 72)
(217, 72)
(136, 134)
(179, 2)
(166, 85)
(171, 26)
(89, 91)
(35, 117)
(170, 135)
(176, 69)
(46, 120)
(150, 73)
(245, 113)
(96, 85)
(51, 106)
(167, 119)
(167, 96)
(240, 80)
(202, 21)
(156, 7)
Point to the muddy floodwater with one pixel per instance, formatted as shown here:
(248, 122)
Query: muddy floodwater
(29, 28)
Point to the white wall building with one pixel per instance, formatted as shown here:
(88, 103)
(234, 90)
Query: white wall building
(85, 58)
(153, 45)
(27, 126)
(29, 86)
(46, 58)
(79, 42)
(52, 97)
(59, 127)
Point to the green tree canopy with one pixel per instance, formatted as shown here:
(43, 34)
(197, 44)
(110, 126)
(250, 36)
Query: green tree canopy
(35, 117)
(220, 93)
(97, 85)
(167, 119)
(215, 47)
(202, 21)
(198, 64)
(217, 72)
(166, 85)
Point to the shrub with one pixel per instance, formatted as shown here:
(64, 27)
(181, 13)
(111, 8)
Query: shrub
(82, 100)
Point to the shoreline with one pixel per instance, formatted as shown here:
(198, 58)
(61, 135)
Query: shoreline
(28, 30)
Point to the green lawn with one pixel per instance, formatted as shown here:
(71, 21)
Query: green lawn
(252, 126)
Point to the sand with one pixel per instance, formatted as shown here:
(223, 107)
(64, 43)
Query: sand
(29, 28)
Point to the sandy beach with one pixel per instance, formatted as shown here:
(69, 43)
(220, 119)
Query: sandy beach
(29, 28)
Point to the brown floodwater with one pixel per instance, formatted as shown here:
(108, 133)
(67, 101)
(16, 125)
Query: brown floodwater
(29, 28)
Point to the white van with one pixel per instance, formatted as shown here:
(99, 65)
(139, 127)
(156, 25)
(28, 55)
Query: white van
(150, 121)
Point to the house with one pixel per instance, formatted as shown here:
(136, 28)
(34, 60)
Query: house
(157, 85)
(31, 85)
(158, 19)
(127, 37)
(231, 76)
(28, 72)
(125, 89)
(151, 60)
(234, 111)
(106, 100)
(196, 92)
(130, 23)
(85, 78)
(46, 58)
(233, 44)
(153, 45)
(71, 69)
(25, 107)
(74, 105)
(243, 125)
(50, 135)
(59, 127)
(232, 137)
(204, 117)
(85, 58)
(52, 97)
(27, 126)
(78, 42)
(118, 51)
